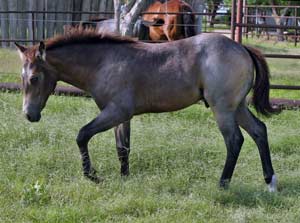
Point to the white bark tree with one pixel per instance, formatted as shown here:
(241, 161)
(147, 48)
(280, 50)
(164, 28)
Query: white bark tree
(128, 11)
(126, 14)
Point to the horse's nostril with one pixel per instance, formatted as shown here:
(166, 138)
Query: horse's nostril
(28, 117)
(33, 117)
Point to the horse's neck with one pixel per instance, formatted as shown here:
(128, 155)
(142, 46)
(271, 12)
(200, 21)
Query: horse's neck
(68, 69)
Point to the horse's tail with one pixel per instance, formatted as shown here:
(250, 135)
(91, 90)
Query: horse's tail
(261, 88)
(188, 21)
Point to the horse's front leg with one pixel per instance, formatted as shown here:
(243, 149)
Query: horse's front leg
(111, 116)
(122, 134)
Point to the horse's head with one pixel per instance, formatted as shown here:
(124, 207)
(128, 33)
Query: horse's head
(38, 80)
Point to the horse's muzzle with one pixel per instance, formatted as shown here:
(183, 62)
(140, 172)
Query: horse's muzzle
(33, 117)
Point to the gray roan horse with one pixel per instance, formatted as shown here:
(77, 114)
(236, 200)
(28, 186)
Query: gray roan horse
(126, 78)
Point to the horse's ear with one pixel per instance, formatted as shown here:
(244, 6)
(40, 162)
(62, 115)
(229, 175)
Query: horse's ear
(41, 52)
(21, 50)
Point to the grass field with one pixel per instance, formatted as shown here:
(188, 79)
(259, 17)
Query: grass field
(176, 161)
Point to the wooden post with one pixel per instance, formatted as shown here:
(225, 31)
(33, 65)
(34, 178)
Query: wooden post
(245, 18)
(239, 19)
(296, 31)
(233, 19)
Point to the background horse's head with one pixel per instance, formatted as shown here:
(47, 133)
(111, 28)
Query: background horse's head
(37, 79)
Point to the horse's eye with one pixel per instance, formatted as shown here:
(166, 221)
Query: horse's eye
(34, 80)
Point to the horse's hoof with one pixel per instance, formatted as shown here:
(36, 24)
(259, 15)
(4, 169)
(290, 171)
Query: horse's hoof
(92, 175)
(272, 186)
(124, 171)
(224, 184)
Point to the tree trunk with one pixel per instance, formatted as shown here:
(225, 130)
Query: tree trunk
(130, 15)
(213, 10)
(132, 10)
(198, 6)
(278, 17)
(117, 10)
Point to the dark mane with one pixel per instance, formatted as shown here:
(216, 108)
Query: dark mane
(85, 36)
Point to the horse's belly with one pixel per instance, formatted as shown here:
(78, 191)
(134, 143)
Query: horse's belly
(173, 100)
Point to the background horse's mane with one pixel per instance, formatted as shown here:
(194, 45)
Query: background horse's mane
(85, 36)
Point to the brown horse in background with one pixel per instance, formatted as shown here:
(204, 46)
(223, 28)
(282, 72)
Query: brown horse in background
(169, 26)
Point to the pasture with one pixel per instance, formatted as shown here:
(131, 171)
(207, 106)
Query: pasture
(176, 160)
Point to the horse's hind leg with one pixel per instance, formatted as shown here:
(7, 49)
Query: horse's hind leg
(258, 131)
(122, 135)
(233, 139)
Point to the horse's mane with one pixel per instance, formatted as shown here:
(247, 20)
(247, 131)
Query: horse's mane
(85, 36)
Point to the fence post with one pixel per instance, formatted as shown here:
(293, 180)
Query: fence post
(233, 20)
(239, 19)
(296, 31)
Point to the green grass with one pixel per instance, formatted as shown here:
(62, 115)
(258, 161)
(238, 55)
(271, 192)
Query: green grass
(10, 65)
(176, 160)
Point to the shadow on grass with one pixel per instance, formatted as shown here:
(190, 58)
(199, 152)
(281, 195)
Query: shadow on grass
(251, 196)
